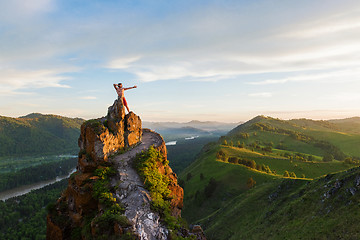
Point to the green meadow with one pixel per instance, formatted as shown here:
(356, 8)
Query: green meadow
(234, 201)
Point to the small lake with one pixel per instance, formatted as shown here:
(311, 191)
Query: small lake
(27, 188)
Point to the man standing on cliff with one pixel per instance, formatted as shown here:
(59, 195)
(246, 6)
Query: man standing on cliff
(120, 91)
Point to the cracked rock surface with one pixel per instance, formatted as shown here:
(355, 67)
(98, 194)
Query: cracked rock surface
(133, 195)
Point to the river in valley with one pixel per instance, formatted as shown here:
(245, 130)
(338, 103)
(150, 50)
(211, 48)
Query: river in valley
(27, 188)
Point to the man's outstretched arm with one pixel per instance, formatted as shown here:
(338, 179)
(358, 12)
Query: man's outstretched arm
(130, 88)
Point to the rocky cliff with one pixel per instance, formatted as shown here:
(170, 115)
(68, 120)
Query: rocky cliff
(106, 198)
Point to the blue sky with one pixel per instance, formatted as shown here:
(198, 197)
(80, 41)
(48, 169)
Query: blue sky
(205, 60)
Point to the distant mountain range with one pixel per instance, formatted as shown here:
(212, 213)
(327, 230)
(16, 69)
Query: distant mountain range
(172, 129)
(38, 134)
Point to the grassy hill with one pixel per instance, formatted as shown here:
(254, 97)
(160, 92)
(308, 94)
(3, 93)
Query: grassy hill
(38, 134)
(326, 208)
(302, 135)
(294, 196)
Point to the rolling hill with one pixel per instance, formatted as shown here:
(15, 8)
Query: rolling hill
(38, 134)
(274, 179)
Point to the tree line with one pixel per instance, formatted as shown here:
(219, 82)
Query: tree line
(222, 156)
(35, 174)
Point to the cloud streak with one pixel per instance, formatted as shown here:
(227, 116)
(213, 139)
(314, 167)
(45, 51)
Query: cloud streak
(206, 43)
(12, 80)
(261, 94)
(238, 50)
(350, 75)
(88, 98)
(243, 51)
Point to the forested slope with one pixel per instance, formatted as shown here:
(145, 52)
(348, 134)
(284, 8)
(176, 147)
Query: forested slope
(38, 134)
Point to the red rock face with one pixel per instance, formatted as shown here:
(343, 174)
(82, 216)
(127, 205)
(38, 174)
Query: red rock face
(98, 139)
(101, 137)
(177, 192)
(132, 131)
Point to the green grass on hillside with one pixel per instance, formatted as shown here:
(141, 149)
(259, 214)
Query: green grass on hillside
(303, 135)
(230, 180)
(292, 209)
(240, 212)
(348, 143)
(288, 142)
(219, 197)
(281, 164)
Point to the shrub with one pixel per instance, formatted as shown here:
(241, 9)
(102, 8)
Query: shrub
(243, 135)
(292, 175)
(155, 182)
(188, 176)
(210, 188)
(348, 160)
(328, 157)
(267, 149)
(267, 169)
(105, 172)
(246, 162)
(113, 211)
(109, 218)
(250, 183)
(233, 160)
(96, 125)
(221, 155)
(310, 158)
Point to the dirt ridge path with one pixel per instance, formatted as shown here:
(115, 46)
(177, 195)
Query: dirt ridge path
(132, 193)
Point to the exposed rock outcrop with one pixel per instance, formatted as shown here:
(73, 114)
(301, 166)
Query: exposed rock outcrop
(83, 211)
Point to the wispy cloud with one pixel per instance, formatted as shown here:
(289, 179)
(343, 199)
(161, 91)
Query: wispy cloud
(12, 80)
(123, 62)
(88, 98)
(17, 10)
(261, 94)
(265, 48)
(338, 23)
(208, 43)
(345, 75)
(43, 42)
